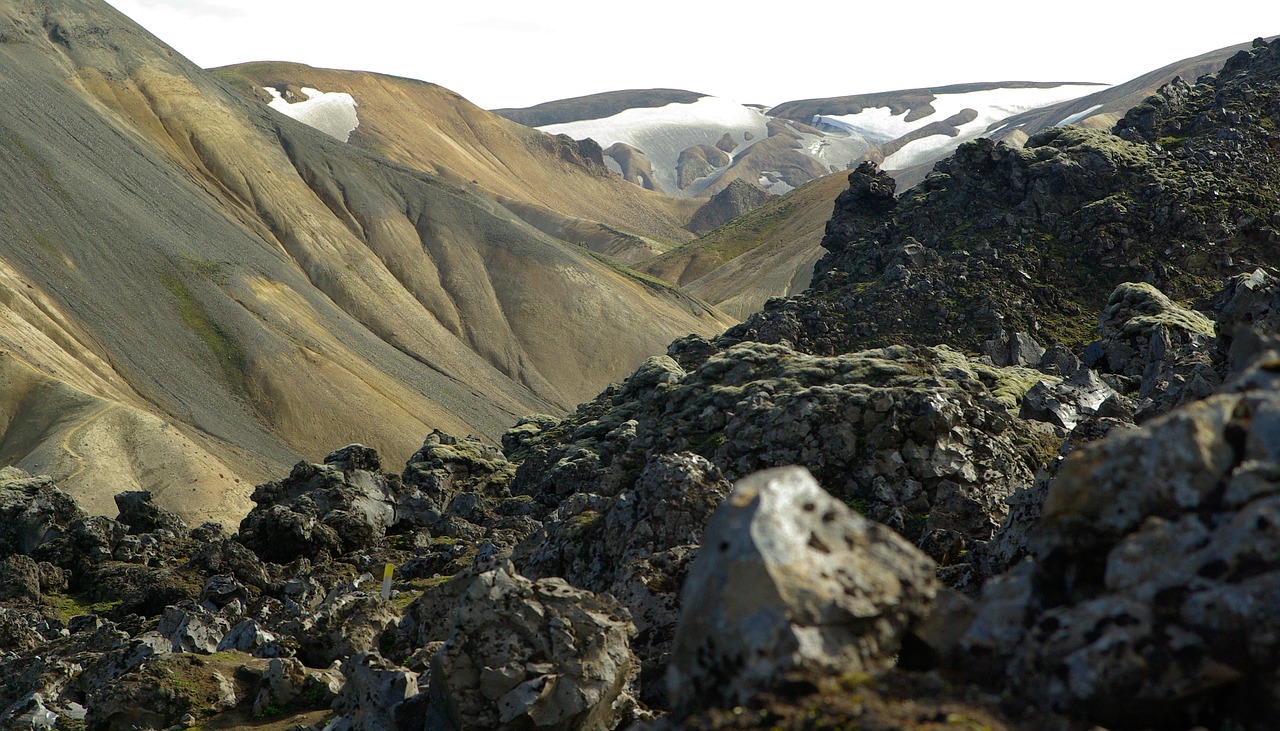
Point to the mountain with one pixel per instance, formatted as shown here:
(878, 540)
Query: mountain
(696, 145)
(766, 252)
(199, 291)
(780, 265)
(1104, 108)
(559, 186)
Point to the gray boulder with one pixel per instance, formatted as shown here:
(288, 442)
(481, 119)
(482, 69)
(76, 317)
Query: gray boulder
(142, 515)
(790, 579)
(534, 654)
(373, 690)
(32, 512)
(343, 505)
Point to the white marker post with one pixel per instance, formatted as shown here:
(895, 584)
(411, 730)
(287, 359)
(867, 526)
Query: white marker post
(386, 581)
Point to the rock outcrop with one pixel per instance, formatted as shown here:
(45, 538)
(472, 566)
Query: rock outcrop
(790, 579)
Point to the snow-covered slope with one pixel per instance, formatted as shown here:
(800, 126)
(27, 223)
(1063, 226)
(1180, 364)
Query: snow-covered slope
(784, 147)
(662, 133)
(958, 117)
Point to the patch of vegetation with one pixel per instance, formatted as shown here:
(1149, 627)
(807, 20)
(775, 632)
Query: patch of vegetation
(191, 265)
(1171, 142)
(75, 606)
(229, 355)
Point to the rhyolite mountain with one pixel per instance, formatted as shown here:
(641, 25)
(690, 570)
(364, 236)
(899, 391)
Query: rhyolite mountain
(560, 186)
(199, 290)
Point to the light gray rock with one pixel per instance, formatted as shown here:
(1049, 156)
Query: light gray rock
(373, 689)
(534, 654)
(192, 629)
(790, 579)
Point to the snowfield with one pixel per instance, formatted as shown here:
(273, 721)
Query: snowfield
(994, 105)
(662, 133)
(333, 113)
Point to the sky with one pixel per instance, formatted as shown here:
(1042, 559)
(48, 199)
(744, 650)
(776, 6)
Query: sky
(515, 53)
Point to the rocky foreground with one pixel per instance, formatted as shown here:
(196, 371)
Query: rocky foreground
(1047, 536)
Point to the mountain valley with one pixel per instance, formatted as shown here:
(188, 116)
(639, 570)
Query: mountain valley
(332, 401)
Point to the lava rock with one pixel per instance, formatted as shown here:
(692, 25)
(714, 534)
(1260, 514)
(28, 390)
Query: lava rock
(790, 579)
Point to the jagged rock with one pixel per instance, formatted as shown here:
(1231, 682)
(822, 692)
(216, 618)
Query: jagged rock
(19, 579)
(636, 547)
(33, 511)
(373, 690)
(18, 630)
(1066, 402)
(343, 505)
(143, 516)
(230, 557)
(789, 578)
(533, 654)
(222, 591)
(447, 467)
(1017, 349)
(920, 437)
(192, 629)
(1157, 558)
(344, 625)
(1248, 310)
(251, 638)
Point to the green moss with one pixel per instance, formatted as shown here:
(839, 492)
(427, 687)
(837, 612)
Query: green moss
(230, 358)
(194, 266)
(1171, 142)
(75, 606)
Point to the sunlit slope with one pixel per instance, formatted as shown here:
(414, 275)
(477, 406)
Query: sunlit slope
(430, 128)
(766, 252)
(180, 259)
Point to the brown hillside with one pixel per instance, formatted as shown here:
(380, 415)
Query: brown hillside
(199, 291)
(429, 128)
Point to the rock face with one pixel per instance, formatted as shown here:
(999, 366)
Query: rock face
(791, 579)
(342, 505)
(534, 654)
(1151, 596)
(736, 199)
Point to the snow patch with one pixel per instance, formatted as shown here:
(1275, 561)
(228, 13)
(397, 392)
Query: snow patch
(333, 113)
(771, 180)
(992, 106)
(662, 133)
(1078, 116)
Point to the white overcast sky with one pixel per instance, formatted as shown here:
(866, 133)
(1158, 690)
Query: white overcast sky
(511, 53)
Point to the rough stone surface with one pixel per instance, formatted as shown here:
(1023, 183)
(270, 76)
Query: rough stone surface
(342, 505)
(1157, 559)
(534, 654)
(372, 690)
(791, 579)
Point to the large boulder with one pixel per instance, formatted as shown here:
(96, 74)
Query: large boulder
(534, 655)
(343, 505)
(33, 511)
(790, 579)
(142, 515)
